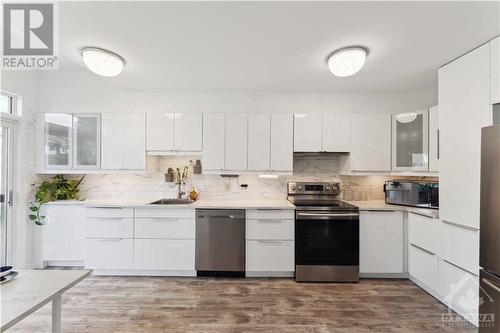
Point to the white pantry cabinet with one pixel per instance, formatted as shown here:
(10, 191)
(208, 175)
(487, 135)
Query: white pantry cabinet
(381, 238)
(495, 71)
(464, 108)
(172, 132)
(63, 234)
(236, 141)
(259, 141)
(214, 136)
(370, 142)
(281, 142)
(434, 139)
(123, 141)
(321, 133)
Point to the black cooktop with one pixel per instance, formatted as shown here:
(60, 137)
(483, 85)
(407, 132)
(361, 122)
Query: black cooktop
(330, 204)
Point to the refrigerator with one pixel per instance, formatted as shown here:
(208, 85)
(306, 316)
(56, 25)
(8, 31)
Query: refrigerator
(489, 260)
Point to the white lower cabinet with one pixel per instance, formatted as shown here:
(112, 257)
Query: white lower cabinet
(270, 256)
(63, 234)
(423, 266)
(270, 242)
(164, 254)
(109, 253)
(381, 238)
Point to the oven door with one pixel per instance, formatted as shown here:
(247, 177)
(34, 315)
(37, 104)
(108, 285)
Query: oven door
(326, 246)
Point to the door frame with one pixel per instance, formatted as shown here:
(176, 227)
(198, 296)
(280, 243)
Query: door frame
(10, 208)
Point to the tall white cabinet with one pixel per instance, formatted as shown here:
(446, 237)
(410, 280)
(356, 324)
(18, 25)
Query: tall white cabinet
(495, 71)
(434, 139)
(464, 108)
(123, 141)
(370, 142)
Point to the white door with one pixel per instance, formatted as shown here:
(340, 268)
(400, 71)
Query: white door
(56, 232)
(336, 133)
(307, 131)
(259, 141)
(281, 142)
(87, 141)
(160, 131)
(188, 131)
(434, 139)
(236, 141)
(112, 143)
(464, 108)
(134, 141)
(214, 136)
(6, 193)
(371, 142)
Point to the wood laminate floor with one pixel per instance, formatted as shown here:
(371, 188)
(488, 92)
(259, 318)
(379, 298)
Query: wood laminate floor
(209, 305)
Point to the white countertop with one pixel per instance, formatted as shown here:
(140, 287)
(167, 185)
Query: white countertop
(381, 205)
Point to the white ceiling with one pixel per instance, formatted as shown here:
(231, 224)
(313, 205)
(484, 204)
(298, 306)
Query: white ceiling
(275, 46)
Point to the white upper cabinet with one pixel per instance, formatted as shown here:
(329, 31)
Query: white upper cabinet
(160, 132)
(167, 132)
(308, 133)
(495, 71)
(410, 141)
(188, 131)
(214, 136)
(71, 141)
(336, 133)
(259, 141)
(434, 139)
(464, 108)
(282, 142)
(236, 141)
(123, 141)
(370, 142)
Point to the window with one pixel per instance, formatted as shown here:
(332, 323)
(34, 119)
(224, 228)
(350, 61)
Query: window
(6, 103)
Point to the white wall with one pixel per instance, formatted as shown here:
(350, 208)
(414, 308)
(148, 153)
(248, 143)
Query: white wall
(82, 91)
(24, 84)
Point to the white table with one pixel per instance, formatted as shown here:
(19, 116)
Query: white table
(31, 290)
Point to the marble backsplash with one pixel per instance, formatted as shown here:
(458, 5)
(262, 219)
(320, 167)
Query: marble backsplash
(152, 186)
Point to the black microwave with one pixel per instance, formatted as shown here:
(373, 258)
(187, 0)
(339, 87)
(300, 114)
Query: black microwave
(423, 194)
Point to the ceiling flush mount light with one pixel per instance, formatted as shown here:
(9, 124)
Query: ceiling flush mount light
(347, 61)
(102, 62)
(406, 118)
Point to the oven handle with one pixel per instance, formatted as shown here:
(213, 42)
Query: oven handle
(334, 216)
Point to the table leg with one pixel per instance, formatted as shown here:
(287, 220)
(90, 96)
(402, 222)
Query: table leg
(56, 314)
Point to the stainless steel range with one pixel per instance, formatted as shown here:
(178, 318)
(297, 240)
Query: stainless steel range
(326, 233)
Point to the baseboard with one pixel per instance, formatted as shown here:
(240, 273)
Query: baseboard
(141, 272)
(383, 275)
(269, 274)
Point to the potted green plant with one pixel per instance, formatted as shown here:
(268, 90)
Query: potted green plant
(55, 188)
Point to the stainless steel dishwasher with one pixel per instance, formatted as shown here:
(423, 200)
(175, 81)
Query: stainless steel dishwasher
(220, 242)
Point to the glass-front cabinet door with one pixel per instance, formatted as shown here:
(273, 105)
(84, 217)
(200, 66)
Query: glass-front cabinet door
(58, 140)
(410, 141)
(86, 129)
(72, 141)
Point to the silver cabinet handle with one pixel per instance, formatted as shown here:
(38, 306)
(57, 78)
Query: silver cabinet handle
(327, 214)
(166, 219)
(491, 285)
(270, 241)
(271, 221)
(109, 239)
(422, 249)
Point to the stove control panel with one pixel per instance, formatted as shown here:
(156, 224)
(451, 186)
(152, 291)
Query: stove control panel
(313, 188)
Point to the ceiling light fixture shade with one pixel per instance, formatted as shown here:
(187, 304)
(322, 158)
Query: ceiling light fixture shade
(406, 118)
(347, 61)
(102, 62)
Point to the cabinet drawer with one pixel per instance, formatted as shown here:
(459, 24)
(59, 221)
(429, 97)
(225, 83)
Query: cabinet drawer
(109, 227)
(423, 266)
(270, 229)
(164, 227)
(461, 247)
(164, 254)
(109, 253)
(180, 213)
(110, 212)
(425, 232)
(456, 285)
(273, 214)
(270, 256)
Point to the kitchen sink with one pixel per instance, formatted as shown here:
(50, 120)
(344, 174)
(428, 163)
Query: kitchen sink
(172, 202)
